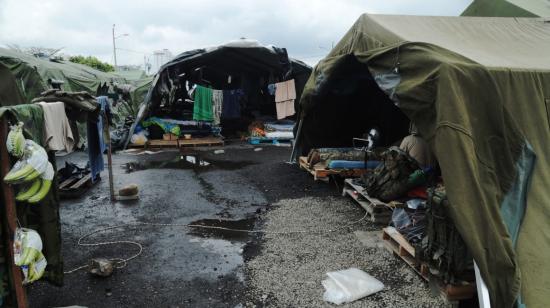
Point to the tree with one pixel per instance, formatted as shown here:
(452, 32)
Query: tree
(92, 62)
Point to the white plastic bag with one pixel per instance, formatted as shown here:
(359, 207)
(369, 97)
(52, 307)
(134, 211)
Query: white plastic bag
(349, 285)
(139, 138)
(27, 249)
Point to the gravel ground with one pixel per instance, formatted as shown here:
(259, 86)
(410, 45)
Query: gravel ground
(289, 269)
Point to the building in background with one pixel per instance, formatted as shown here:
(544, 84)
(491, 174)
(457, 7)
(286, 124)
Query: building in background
(159, 58)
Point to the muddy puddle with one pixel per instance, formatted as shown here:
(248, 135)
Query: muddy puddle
(180, 162)
(242, 224)
(189, 162)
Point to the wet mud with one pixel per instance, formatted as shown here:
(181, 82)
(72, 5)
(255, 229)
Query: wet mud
(232, 230)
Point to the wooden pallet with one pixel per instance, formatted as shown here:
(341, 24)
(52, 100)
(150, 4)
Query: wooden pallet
(396, 243)
(75, 187)
(378, 211)
(194, 142)
(321, 173)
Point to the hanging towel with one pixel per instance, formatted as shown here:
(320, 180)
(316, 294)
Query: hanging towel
(285, 109)
(285, 94)
(231, 108)
(96, 144)
(202, 108)
(285, 91)
(217, 102)
(57, 133)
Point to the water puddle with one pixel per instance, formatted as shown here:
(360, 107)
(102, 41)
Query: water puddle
(225, 230)
(180, 162)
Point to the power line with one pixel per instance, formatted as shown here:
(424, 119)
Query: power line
(135, 51)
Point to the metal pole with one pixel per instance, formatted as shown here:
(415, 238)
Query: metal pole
(114, 47)
(109, 158)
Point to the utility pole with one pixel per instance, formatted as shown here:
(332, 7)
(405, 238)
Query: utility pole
(114, 47)
(114, 44)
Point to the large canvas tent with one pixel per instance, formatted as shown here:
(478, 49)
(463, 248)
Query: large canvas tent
(243, 61)
(32, 75)
(478, 89)
(508, 8)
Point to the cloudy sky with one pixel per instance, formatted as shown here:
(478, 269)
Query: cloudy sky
(307, 28)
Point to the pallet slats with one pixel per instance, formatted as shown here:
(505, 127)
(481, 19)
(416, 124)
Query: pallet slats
(195, 142)
(396, 243)
(321, 173)
(378, 211)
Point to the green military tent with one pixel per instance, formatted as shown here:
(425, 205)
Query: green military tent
(31, 76)
(508, 8)
(9, 92)
(478, 89)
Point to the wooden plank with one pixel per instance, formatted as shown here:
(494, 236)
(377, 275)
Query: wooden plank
(159, 143)
(400, 247)
(458, 292)
(376, 202)
(201, 141)
(82, 181)
(378, 211)
(400, 239)
(10, 219)
(67, 183)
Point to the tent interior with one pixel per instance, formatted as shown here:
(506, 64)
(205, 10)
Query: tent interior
(242, 71)
(354, 101)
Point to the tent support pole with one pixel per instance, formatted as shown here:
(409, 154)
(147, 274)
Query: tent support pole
(110, 162)
(9, 221)
(294, 149)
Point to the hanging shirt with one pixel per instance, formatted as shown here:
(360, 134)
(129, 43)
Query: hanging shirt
(58, 135)
(202, 107)
(285, 94)
(231, 108)
(217, 102)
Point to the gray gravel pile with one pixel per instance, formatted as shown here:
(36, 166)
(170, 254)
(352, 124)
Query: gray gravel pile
(289, 270)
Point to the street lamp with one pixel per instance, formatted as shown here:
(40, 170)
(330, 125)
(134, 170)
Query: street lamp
(114, 43)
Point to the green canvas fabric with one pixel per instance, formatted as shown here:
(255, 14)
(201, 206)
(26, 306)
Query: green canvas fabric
(43, 217)
(32, 117)
(138, 94)
(495, 8)
(32, 73)
(478, 114)
(9, 93)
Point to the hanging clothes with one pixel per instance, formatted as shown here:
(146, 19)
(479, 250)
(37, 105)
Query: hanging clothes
(285, 94)
(202, 108)
(217, 103)
(231, 108)
(57, 133)
(96, 143)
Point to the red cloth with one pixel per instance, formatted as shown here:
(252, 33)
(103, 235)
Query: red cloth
(418, 192)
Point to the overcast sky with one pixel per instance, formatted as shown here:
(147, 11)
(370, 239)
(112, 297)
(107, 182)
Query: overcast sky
(306, 28)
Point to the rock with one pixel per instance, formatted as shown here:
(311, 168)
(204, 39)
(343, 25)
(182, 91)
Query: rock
(128, 190)
(101, 267)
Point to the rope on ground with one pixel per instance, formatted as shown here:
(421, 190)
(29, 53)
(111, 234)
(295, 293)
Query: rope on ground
(121, 262)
